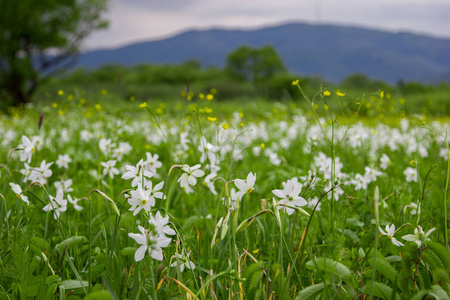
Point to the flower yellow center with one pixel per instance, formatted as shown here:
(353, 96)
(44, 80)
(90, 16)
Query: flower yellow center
(144, 201)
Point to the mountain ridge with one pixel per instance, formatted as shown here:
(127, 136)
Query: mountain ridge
(330, 51)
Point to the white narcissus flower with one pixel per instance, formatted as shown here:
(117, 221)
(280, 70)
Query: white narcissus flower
(160, 224)
(290, 196)
(273, 156)
(42, 173)
(183, 261)
(140, 199)
(336, 193)
(26, 172)
(124, 148)
(109, 168)
(385, 162)
(86, 135)
(311, 179)
(313, 202)
(29, 146)
(188, 190)
(154, 190)
(106, 146)
(210, 184)
(419, 236)
(184, 140)
(65, 185)
(74, 202)
(190, 176)
(245, 186)
(19, 193)
(149, 242)
(371, 174)
(411, 174)
(390, 231)
(207, 150)
(57, 204)
(152, 163)
(136, 173)
(63, 161)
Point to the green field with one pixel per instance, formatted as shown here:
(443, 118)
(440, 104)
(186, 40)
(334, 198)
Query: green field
(292, 196)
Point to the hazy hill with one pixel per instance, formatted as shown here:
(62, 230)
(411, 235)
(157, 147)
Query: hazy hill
(332, 52)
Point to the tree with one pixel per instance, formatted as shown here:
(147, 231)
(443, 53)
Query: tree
(40, 38)
(254, 65)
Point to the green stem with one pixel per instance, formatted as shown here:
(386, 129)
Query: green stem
(299, 255)
(90, 247)
(445, 194)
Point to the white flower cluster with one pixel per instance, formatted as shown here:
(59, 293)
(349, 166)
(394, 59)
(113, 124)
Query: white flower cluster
(41, 174)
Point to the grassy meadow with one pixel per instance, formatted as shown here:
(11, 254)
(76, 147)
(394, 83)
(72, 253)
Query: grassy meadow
(212, 192)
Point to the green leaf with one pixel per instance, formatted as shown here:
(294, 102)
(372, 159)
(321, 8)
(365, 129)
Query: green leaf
(62, 292)
(441, 276)
(110, 290)
(441, 252)
(383, 267)
(252, 275)
(380, 290)
(256, 278)
(354, 222)
(351, 234)
(51, 290)
(405, 274)
(224, 231)
(394, 258)
(424, 278)
(99, 295)
(329, 266)
(311, 292)
(74, 284)
(38, 242)
(432, 260)
(191, 220)
(128, 251)
(70, 243)
(438, 293)
(420, 295)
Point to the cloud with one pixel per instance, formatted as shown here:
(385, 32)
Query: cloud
(176, 6)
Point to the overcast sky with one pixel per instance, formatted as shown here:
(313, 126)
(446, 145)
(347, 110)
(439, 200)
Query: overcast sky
(142, 20)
